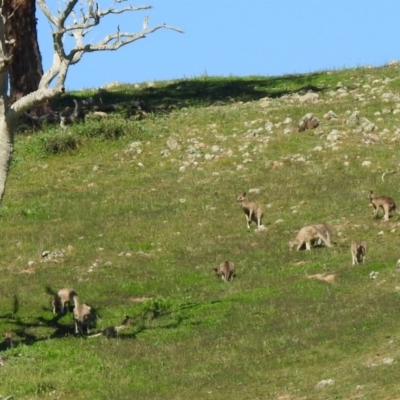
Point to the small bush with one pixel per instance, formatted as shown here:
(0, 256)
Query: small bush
(156, 307)
(60, 143)
(108, 129)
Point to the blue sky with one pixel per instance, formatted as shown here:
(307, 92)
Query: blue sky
(239, 38)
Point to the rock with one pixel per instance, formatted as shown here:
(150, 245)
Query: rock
(260, 229)
(330, 115)
(333, 136)
(354, 118)
(309, 97)
(172, 144)
(101, 114)
(52, 256)
(324, 383)
(165, 153)
(373, 275)
(269, 125)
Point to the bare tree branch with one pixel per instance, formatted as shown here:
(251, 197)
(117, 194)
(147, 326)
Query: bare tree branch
(67, 12)
(89, 18)
(111, 42)
(32, 100)
(45, 10)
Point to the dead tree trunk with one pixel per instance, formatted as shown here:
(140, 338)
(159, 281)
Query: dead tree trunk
(25, 69)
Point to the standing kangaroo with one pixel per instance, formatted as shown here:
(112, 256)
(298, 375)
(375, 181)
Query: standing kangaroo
(358, 252)
(386, 203)
(252, 210)
(83, 316)
(62, 301)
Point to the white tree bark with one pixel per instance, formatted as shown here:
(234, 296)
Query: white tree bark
(7, 123)
(65, 22)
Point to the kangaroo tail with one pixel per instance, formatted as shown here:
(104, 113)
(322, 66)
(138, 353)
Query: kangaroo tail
(96, 335)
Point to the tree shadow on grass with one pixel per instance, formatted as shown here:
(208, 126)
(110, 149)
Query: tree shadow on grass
(60, 330)
(201, 92)
(152, 318)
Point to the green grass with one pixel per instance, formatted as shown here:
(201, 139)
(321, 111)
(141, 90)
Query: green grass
(135, 221)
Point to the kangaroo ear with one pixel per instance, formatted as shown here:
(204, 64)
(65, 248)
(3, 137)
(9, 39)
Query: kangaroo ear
(244, 193)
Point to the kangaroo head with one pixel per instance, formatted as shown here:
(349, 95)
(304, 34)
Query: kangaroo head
(371, 195)
(241, 197)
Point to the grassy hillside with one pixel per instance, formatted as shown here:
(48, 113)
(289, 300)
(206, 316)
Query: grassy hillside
(138, 207)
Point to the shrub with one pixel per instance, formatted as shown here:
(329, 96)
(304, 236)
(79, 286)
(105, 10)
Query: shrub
(60, 143)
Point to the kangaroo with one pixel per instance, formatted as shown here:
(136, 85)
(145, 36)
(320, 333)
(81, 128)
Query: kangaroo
(225, 270)
(68, 117)
(386, 203)
(307, 234)
(83, 316)
(62, 301)
(358, 252)
(252, 210)
(113, 331)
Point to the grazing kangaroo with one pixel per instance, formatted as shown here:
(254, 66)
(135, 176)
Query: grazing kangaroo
(83, 316)
(225, 270)
(309, 233)
(386, 203)
(113, 331)
(62, 301)
(358, 252)
(252, 210)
